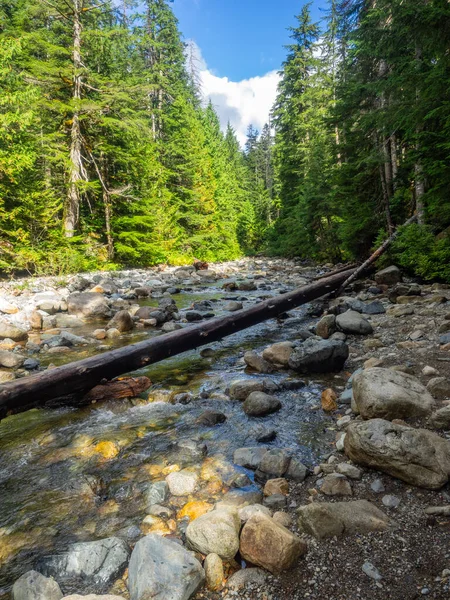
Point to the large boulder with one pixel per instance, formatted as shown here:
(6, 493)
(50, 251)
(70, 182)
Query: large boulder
(267, 544)
(388, 394)
(161, 569)
(417, 456)
(8, 331)
(353, 322)
(34, 586)
(94, 565)
(329, 519)
(88, 305)
(259, 404)
(319, 356)
(389, 276)
(215, 532)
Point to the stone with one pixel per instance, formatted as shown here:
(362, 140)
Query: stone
(400, 311)
(275, 502)
(6, 376)
(157, 493)
(296, 471)
(319, 356)
(213, 566)
(233, 306)
(249, 458)
(390, 501)
(353, 322)
(8, 331)
(35, 320)
(439, 387)
(246, 286)
(269, 545)
(10, 360)
(443, 339)
(112, 333)
(215, 532)
(326, 519)
(326, 326)
(275, 462)
(371, 571)
(349, 471)
(417, 456)
(440, 419)
(328, 400)
(242, 388)
(182, 483)
(336, 484)
(161, 569)
(122, 321)
(92, 597)
(34, 586)
(247, 577)
(276, 486)
(195, 509)
(387, 394)
(240, 498)
(246, 512)
(429, 371)
(94, 565)
(279, 353)
(283, 519)
(88, 305)
(64, 321)
(259, 404)
(194, 315)
(377, 486)
(211, 417)
(389, 276)
(256, 362)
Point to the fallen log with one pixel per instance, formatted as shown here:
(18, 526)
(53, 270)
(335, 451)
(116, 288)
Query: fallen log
(375, 256)
(352, 266)
(125, 387)
(81, 376)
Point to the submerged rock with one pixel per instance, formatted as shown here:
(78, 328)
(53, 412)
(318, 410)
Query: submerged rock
(161, 569)
(259, 404)
(34, 586)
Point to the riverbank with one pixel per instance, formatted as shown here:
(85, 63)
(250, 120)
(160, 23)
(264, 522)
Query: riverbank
(180, 452)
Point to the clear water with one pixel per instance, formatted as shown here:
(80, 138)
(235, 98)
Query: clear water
(58, 485)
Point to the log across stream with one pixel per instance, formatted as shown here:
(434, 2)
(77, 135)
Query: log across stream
(72, 381)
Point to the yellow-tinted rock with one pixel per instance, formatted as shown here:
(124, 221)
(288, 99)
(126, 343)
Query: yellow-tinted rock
(328, 400)
(155, 525)
(110, 507)
(276, 486)
(193, 510)
(171, 469)
(108, 450)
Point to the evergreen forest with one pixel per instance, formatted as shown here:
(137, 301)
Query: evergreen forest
(110, 156)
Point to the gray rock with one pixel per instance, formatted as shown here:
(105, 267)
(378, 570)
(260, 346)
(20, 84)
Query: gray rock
(255, 361)
(417, 456)
(377, 486)
(240, 498)
(441, 418)
(242, 388)
(34, 586)
(246, 512)
(62, 320)
(10, 360)
(275, 462)
(371, 571)
(157, 493)
(389, 394)
(161, 569)
(182, 483)
(246, 577)
(349, 470)
(194, 315)
(296, 471)
(8, 331)
(390, 501)
(354, 323)
(94, 565)
(215, 532)
(88, 304)
(389, 276)
(259, 404)
(443, 339)
(275, 502)
(439, 387)
(122, 321)
(279, 353)
(325, 519)
(233, 306)
(336, 484)
(249, 458)
(319, 356)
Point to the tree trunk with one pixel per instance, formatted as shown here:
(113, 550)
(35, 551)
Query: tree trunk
(72, 205)
(81, 376)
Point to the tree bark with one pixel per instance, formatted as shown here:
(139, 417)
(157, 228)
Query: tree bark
(72, 205)
(81, 376)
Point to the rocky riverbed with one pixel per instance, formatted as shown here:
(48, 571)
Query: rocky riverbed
(305, 457)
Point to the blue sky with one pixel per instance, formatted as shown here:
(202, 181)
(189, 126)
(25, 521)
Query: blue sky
(240, 38)
(238, 46)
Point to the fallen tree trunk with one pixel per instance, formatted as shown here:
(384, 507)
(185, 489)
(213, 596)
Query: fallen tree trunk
(373, 257)
(352, 266)
(81, 376)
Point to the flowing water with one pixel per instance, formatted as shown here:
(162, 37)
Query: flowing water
(71, 475)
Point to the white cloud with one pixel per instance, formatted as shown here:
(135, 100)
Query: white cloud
(240, 102)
